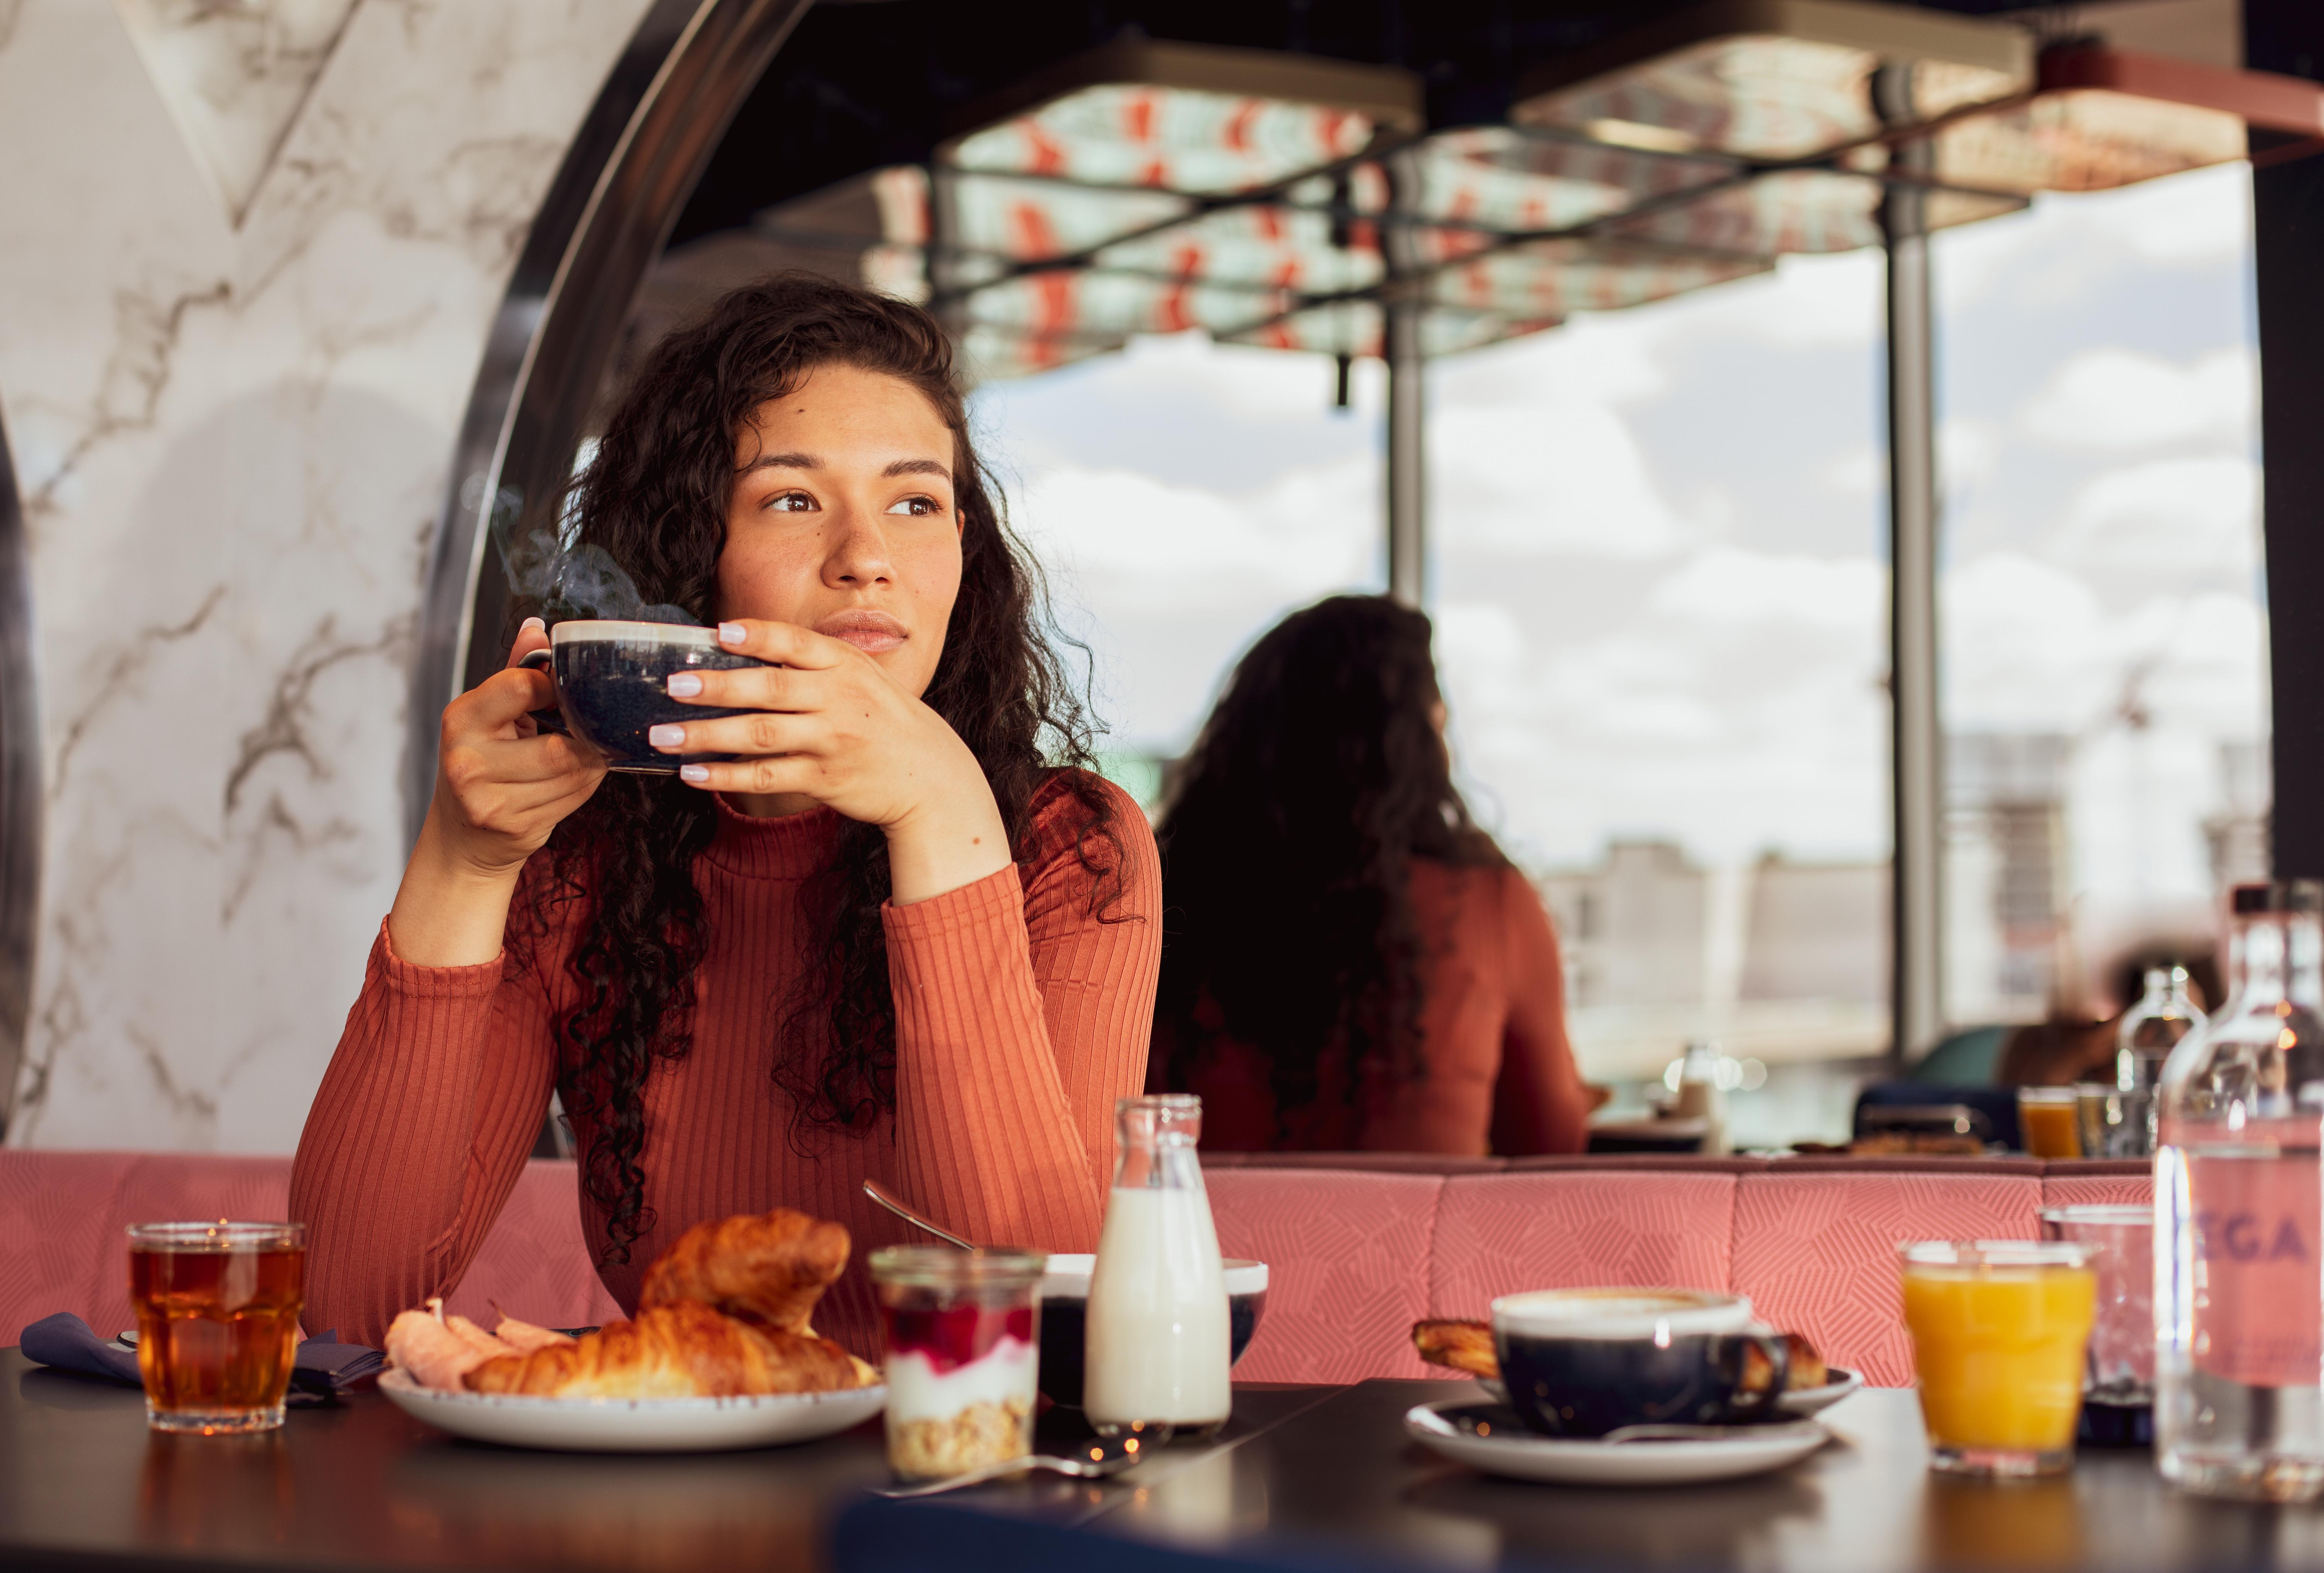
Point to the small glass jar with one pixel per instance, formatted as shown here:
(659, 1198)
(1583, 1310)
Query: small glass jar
(961, 1334)
(2120, 1375)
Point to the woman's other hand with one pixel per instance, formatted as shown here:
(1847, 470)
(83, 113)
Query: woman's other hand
(830, 725)
(501, 786)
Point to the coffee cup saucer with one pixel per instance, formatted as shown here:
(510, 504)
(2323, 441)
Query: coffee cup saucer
(1489, 1436)
(1799, 1401)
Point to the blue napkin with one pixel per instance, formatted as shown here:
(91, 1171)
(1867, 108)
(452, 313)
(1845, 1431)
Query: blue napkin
(322, 1367)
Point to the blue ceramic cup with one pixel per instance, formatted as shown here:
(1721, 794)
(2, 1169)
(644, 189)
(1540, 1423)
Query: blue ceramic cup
(1584, 1362)
(613, 685)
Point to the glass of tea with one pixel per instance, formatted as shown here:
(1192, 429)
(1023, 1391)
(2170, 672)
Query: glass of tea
(217, 1322)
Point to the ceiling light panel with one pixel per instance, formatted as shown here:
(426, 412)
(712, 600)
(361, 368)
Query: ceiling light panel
(1083, 304)
(1354, 328)
(1263, 247)
(1167, 138)
(1512, 181)
(1774, 79)
(2090, 140)
(1797, 212)
(1554, 279)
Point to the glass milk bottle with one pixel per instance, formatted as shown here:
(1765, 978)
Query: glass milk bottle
(2238, 1299)
(1157, 1345)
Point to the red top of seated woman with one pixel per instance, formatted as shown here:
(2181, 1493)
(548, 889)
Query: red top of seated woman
(874, 934)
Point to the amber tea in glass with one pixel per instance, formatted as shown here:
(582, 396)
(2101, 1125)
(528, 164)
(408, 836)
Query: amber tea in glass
(217, 1322)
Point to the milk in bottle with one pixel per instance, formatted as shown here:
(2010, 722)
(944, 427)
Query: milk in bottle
(1158, 1343)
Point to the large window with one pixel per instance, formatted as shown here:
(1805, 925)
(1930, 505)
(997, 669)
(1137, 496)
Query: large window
(1659, 579)
(2105, 635)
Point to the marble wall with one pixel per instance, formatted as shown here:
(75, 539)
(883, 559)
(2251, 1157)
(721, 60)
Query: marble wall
(247, 258)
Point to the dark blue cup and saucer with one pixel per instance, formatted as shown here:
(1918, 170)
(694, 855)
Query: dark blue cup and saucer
(612, 686)
(1626, 1387)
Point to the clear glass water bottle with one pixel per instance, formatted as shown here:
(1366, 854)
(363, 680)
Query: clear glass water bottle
(2150, 1030)
(2238, 1299)
(1158, 1342)
(2153, 1027)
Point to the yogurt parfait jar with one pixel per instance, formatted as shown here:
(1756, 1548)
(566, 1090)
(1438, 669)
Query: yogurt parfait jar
(963, 1338)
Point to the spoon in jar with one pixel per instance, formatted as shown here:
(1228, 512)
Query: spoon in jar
(1095, 1459)
(897, 1205)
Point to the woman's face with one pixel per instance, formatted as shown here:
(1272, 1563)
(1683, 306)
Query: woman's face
(843, 520)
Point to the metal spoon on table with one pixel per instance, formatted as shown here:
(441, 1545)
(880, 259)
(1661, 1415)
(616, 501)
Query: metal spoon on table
(896, 1205)
(1094, 1460)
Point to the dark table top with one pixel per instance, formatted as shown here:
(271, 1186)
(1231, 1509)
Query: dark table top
(83, 1483)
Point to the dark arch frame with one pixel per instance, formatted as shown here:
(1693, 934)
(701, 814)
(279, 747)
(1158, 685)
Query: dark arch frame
(22, 803)
(640, 151)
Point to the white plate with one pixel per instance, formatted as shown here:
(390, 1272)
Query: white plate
(1496, 1441)
(635, 1425)
(1799, 1401)
(1807, 1401)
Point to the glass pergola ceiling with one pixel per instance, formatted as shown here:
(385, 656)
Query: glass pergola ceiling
(1282, 200)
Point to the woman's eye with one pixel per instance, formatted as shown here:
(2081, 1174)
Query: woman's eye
(917, 507)
(790, 503)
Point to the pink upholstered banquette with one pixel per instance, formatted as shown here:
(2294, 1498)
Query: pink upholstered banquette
(1359, 1248)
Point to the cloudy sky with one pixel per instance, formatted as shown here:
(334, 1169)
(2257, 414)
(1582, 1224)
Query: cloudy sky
(1658, 571)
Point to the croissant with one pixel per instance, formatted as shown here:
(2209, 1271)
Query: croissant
(766, 1270)
(682, 1350)
(1463, 1346)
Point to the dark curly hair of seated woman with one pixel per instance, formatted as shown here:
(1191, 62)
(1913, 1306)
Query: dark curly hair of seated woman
(1348, 963)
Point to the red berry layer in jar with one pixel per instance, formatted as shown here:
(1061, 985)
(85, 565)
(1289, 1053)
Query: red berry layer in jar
(955, 1336)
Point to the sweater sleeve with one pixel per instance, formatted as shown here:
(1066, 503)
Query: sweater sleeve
(417, 1135)
(1539, 1104)
(1024, 1003)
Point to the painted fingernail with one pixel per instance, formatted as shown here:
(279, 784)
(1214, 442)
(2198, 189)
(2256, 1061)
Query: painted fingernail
(684, 685)
(665, 736)
(694, 772)
(730, 633)
(533, 623)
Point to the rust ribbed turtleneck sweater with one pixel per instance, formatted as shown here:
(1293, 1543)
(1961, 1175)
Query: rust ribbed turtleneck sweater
(1020, 1018)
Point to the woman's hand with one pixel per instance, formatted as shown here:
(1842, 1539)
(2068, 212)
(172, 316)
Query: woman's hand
(833, 727)
(501, 786)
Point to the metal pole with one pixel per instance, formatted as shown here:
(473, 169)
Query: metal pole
(1407, 490)
(1916, 983)
(1407, 408)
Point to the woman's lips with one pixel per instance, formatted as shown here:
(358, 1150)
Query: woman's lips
(873, 632)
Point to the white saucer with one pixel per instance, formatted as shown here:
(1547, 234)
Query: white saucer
(1798, 1400)
(1807, 1401)
(635, 1425)
(1489, 1436)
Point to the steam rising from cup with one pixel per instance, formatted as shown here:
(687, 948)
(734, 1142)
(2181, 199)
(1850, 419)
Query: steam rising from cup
(567, 577)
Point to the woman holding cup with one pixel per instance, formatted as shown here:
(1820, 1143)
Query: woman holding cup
(874, 934)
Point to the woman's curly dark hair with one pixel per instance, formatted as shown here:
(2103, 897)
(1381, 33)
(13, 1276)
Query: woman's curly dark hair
(654, 496)
(1287, 850)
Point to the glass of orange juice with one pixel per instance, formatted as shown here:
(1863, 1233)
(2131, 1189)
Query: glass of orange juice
(2048, 1121)
(1999, 1328)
